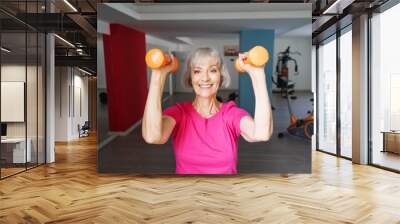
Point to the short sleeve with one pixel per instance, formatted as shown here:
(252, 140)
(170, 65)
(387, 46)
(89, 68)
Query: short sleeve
(175, 112)
(234, 115)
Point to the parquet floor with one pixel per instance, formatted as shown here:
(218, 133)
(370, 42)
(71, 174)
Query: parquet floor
(71, 191)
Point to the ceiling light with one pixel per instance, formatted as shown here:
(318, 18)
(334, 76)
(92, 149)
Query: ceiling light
(5, 50)
(64, 40)
(84, 71)
(70, 5)
(186, 40)
(326, 11)
(337, 7)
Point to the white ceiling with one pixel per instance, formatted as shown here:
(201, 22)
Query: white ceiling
(168, 21)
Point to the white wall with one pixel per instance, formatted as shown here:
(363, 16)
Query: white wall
(61, 103)
(69, 82)
(302, 45)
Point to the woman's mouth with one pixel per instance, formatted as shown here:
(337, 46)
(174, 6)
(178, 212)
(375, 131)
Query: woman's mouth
(205, 86)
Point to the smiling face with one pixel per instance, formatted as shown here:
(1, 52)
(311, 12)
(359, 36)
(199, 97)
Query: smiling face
(206, 77)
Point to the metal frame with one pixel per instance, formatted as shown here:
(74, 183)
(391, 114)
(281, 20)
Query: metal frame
(369, 98)
(338, 98)
(316, 96)
(338, 153)
(44, 74)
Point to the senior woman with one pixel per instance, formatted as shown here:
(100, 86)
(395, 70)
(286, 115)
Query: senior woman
(205, 132)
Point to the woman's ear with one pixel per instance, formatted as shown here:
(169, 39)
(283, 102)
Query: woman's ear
(221, 81)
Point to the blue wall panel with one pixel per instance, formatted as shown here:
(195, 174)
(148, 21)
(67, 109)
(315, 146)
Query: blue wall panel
(249, 39)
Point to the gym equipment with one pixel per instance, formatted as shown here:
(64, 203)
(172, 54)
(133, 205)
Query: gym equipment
(257, 56)
(156, 58)
(233, 96)
(282, 73)
(302, 127)
(84, 129)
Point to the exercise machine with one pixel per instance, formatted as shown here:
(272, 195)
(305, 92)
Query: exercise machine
(282, 81)
(84, 129)
(301, 127)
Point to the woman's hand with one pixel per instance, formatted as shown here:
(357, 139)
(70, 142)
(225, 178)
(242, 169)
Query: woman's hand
(165, 70)
(250, 69)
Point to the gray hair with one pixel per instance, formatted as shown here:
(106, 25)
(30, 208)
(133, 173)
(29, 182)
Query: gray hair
(202, 53)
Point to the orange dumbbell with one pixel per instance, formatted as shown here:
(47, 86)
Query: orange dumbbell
(257, 56)
(156, 58)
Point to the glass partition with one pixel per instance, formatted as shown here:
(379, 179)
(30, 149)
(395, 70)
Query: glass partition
(346, 92)
(22, 90)
(385, 89)
(13, 109)
(327, 95)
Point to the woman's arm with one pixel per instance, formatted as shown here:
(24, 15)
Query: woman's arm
(259, 128)
(156, 129)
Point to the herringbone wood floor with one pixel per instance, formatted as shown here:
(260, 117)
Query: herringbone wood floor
(71, 191)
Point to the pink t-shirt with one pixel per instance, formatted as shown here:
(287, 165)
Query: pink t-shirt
(205, 145)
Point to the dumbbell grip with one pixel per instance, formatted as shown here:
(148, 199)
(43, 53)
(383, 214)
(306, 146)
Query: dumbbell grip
(257, 56)
(156, 58)
(168, 60)
(246, 59)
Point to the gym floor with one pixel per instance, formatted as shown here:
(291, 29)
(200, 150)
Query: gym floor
(290, 154)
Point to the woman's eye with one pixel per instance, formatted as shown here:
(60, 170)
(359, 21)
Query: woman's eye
(196, 71)
(213, 70)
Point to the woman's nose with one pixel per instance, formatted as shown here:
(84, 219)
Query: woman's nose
(205, 76)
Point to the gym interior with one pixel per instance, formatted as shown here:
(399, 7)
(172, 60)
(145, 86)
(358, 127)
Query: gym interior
(286, 37)
(74, 84)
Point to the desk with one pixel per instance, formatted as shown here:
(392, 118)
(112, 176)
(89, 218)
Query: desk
(391, 141)
(16, 147)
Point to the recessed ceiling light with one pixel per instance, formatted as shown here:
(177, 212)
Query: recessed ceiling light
(5, 50)
(64, 40)
(70, 5)
(337, 7)
(84, 71)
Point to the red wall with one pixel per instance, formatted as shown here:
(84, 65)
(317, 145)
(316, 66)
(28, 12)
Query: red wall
(124, 53)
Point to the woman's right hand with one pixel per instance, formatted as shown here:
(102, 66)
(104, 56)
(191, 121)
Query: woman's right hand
(165, 70)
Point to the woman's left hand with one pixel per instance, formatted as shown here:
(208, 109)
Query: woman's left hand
(250, 69)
